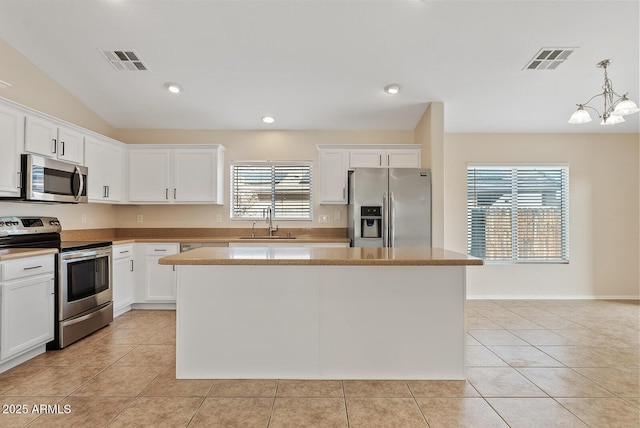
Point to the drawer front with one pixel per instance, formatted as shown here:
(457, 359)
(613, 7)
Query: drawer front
(161, 249)
(122, 251)
(29, 266)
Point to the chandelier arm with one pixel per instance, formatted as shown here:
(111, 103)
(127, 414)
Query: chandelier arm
(592, 108)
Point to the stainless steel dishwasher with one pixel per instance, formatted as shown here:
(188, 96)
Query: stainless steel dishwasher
(186, 246)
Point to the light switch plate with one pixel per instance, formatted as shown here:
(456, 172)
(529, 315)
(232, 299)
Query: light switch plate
(324, 218)
(84, 218)
(139, 218)
(218, 218)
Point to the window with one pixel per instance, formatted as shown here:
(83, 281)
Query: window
(283, 187)
(518, 214)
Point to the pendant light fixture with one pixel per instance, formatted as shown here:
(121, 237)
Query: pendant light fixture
(615, 105)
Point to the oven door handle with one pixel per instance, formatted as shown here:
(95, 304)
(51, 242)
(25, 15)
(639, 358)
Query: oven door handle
(93, 254)
(81, 187)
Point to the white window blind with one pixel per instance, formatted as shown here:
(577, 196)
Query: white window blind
(284, 187)
(518, 213)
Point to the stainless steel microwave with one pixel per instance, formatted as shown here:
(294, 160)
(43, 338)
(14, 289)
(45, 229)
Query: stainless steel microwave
(49, 180)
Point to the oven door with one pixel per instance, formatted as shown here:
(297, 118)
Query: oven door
(49, 180)
(84, 281)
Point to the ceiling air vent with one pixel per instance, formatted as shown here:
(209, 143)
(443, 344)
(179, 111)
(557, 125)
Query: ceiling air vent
(548, 58)
(125, 60)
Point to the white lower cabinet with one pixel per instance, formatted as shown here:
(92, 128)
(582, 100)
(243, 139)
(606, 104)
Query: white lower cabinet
(26, 305)
(159, 280)
(123, 278)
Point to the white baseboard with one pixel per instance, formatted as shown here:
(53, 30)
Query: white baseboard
(154, 306)
(550, 297)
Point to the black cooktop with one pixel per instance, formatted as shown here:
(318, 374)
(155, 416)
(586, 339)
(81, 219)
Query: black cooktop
(66, 246)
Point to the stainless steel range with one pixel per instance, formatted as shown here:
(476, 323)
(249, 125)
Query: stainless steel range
(83, 275)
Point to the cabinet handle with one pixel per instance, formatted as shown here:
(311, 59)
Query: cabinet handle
(104, 191)
(131, 266)
(388, 160)
(19, 180)
(166, 193)
(124, 252)
(33, 267)
(55, 145)
(380, 160)
(164, 250)
(174, 193)
(108, 191)
(174, 268)
(62, 154)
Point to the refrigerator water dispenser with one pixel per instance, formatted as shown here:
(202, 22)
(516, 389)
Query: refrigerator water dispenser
(371, 222)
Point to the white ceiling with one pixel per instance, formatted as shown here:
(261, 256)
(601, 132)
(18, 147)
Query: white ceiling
(317, 64)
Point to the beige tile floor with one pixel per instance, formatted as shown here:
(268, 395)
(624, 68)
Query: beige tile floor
(530, 364)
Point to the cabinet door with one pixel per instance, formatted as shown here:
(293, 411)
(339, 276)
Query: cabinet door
(367, 158)
(27, 315)
(160, 280)
(334, 165)
(41, 137)
(123, 283)
(194, 176)
(149, 175)
(106, 166)
(10, 140)
(405, 158)
(70, 146)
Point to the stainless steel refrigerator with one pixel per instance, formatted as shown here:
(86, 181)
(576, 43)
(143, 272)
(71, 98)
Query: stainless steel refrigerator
(389, 207)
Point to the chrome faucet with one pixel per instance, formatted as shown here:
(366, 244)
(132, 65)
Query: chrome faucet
(269, 218)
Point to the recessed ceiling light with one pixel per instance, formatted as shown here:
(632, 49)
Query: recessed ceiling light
(268, 119)
(392, 88)
(174, 88)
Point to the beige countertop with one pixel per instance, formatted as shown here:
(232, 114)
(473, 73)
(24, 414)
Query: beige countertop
(347, 256)
(19, 253)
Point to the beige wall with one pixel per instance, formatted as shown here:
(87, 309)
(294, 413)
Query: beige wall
(603, 204)
(246, 145)
(32, 88)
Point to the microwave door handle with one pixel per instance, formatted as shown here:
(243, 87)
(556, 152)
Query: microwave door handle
(81, 188)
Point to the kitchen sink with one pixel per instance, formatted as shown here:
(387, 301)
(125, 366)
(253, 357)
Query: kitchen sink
(267, 237)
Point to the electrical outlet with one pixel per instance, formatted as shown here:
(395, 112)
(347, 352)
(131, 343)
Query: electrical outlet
(218, 218)
(84, 218)
(324, 218)
(140, 218)
(337, 215)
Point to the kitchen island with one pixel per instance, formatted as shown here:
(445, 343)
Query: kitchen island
(320, 313)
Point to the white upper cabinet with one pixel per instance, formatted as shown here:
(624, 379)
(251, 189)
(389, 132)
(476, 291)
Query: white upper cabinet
(196, 176)
(149, 175)
(176, 174)
(334, 165)
(10, 147)
(337, 160)
(384, 158)
(47, 138)
(106, 161)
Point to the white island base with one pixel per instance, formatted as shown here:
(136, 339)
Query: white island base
(320, 322)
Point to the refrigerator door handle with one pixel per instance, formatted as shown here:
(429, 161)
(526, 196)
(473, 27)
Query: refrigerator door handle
(385, 220)
(392, 219)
